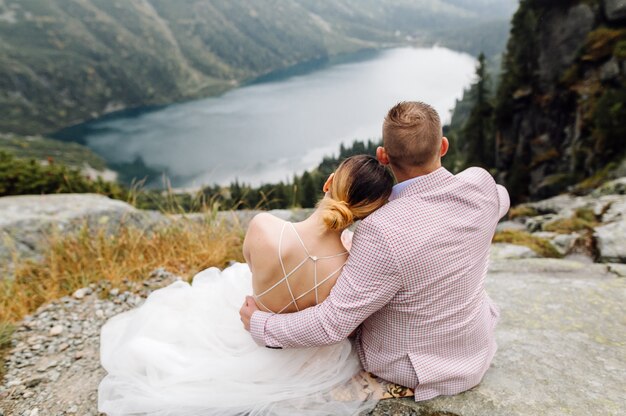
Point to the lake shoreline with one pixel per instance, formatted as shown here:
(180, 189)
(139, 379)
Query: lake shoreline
(278, 124)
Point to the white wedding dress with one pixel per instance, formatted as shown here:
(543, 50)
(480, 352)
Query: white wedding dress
(185, 352)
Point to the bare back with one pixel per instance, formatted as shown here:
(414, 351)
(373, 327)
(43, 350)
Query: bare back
(292, 267)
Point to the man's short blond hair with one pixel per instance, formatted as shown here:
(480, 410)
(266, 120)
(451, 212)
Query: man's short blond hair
(412, 134)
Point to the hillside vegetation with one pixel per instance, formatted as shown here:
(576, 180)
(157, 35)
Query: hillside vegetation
(66, 61)
(44, 149)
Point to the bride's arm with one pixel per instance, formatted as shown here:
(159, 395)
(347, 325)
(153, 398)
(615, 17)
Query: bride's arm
(368, 282)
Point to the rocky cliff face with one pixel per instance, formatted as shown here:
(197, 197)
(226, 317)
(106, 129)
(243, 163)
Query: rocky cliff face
(562, 100)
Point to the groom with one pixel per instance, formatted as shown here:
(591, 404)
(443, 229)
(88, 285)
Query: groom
(414, 282)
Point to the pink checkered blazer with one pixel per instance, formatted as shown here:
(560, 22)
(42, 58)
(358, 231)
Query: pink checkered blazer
(414, 287)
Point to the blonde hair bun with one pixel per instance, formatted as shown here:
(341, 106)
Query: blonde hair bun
(337, 215)
(359, 186)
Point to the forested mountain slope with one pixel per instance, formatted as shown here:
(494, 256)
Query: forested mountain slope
(556, 120)
(561, 103)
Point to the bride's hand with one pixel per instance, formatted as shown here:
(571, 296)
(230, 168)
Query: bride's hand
(249, 307)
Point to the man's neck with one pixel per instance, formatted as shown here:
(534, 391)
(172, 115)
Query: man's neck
(405, 175)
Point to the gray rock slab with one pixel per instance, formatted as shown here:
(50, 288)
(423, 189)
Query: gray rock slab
(58, 207)
(557, 204)
(503, 251)
(27, 221)
(561, 345)
(510, 225)
(243, 217)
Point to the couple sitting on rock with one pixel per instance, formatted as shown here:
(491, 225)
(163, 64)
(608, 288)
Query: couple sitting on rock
(336, 322)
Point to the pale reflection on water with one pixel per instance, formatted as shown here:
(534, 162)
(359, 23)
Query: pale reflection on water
(268, 131)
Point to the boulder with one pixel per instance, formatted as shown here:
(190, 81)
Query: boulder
(564, 243)
(560, 345)
(535, 224)
(615, 9)
(615, 208)
(611, 242)
(610, 70)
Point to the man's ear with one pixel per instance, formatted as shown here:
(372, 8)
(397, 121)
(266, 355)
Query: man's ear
(445, 145)
(328, 182)
(381, 155)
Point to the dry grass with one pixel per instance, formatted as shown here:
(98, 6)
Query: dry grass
(522, 238)
(522, 211)
(129, 255)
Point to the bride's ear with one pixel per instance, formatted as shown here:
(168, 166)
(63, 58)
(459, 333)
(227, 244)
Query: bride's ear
(328, 182)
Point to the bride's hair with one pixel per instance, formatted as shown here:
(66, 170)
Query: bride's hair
(360, 186)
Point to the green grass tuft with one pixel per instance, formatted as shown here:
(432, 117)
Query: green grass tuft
(540, 246)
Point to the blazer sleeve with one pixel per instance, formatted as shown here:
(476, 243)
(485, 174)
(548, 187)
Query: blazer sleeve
(503, 200)
(369, 280)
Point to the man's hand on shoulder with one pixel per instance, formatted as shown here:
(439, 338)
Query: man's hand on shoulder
(247, 310)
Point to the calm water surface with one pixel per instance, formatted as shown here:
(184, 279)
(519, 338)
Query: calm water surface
(267, 131)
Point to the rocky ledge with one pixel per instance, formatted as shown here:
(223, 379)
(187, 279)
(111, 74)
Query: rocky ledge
(591, 226)
(561, 341)
(26, 222)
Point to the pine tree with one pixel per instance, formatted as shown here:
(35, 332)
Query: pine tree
(309, 193)
(478, 132)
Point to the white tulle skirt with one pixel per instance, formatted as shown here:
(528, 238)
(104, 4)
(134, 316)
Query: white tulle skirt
(185, 352)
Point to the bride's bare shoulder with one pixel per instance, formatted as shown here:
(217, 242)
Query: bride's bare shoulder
(264, 222)
(263, 233)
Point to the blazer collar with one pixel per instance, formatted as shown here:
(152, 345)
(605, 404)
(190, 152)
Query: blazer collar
(422, 183)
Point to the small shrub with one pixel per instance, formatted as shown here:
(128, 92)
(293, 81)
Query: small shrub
(583, 219)
(540, 246)
(620, 50)
(601, 42)
(610, 129)
(594, 181)
(29, 176)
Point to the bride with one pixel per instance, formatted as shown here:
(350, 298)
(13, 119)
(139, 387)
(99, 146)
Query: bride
(185, 352)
